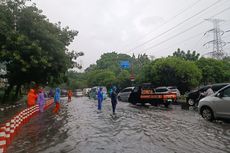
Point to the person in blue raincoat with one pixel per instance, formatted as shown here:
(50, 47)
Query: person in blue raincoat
(100, 98)
(113, 96)
(57, 100)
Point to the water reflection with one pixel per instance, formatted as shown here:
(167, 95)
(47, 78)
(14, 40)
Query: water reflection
(79, 128)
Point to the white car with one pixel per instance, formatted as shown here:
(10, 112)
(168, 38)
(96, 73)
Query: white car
(123, 95)
(79, 93)
(86, 91)
(174, 90)
(216, 105)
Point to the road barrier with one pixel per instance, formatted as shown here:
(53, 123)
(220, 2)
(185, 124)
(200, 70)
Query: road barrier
(9, 129)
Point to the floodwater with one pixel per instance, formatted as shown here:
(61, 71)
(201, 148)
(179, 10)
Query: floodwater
(79, 128)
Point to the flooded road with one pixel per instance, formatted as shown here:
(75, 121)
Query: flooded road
(79, 128)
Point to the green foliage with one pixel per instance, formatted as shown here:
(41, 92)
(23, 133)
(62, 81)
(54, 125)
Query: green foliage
(35, 48)
(101, 78)
(214, 71)
(111, 61)
(123, 79)
(107, 70)
(192, 56)
(32, 48)
(172, 71)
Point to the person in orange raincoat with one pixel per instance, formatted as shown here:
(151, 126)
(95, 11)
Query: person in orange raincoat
(31, 98)
(69, 94)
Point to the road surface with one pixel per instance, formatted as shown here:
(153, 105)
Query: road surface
(79, 128)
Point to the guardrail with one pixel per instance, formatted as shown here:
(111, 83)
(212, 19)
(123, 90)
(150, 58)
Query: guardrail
(9, 129)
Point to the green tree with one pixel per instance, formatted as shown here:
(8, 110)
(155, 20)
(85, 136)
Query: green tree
(101, 78)
(214, 71)
(32, 48)
(123, 79)
(111, 62)
(192, 56)
(172, 71)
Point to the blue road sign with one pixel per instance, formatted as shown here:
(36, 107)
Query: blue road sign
(124, 64)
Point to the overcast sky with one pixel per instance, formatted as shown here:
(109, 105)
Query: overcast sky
(125, 26)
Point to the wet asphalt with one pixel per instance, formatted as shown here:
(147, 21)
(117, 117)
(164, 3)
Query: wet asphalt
(80, 128)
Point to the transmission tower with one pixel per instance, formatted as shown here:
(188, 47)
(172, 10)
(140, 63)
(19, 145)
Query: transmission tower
(217, 43)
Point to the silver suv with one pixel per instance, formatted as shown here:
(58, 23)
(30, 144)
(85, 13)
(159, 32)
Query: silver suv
(216, 106)
(124, 94)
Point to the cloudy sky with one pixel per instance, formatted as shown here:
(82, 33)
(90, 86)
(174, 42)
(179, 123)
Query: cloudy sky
(154, 27)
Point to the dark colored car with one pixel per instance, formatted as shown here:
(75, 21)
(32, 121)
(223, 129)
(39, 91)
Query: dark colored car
(194, 96)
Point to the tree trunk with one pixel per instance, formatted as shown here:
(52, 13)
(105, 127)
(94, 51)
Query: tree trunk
(7, 93)
(17, 91)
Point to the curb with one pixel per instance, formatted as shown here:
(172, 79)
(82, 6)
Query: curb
(9, 129)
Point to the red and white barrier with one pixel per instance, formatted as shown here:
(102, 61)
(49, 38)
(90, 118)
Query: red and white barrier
(2, 139)
(12, 126)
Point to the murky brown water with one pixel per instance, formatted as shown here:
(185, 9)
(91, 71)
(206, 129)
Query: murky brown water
(80, 129)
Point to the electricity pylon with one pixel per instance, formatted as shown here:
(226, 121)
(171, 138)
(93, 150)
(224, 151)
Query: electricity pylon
(217, 42)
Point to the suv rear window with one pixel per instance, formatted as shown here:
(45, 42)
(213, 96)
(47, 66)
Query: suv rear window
(161, 90)
(126, 90)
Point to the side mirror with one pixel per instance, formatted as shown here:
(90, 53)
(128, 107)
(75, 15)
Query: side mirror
(220, 94)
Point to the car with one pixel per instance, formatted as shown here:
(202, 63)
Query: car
(123, 95)
(86, 91)
(161, 90)
(193, 97)
(79, 93)
(63, 93)
(174, 89)
(168, 90)
(93, 92)
(216, 106)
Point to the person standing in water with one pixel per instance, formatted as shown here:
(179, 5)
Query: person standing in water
(99, 98)
(113, 95)
(31, 98)
(41, 100)
(70, 93)
(57, 100)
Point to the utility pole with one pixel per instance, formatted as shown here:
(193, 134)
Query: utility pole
(217, 42)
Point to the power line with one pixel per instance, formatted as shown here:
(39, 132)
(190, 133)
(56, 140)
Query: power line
(138, 46)
(189, 38)
(185, 30)
(172, 18)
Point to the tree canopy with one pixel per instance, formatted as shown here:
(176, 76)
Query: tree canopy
(214, 71)
(172, 71)
(32, 48)
(192, 56)
(185, 72)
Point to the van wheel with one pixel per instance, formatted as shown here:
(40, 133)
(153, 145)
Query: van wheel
(207, 114)
(191, 102)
